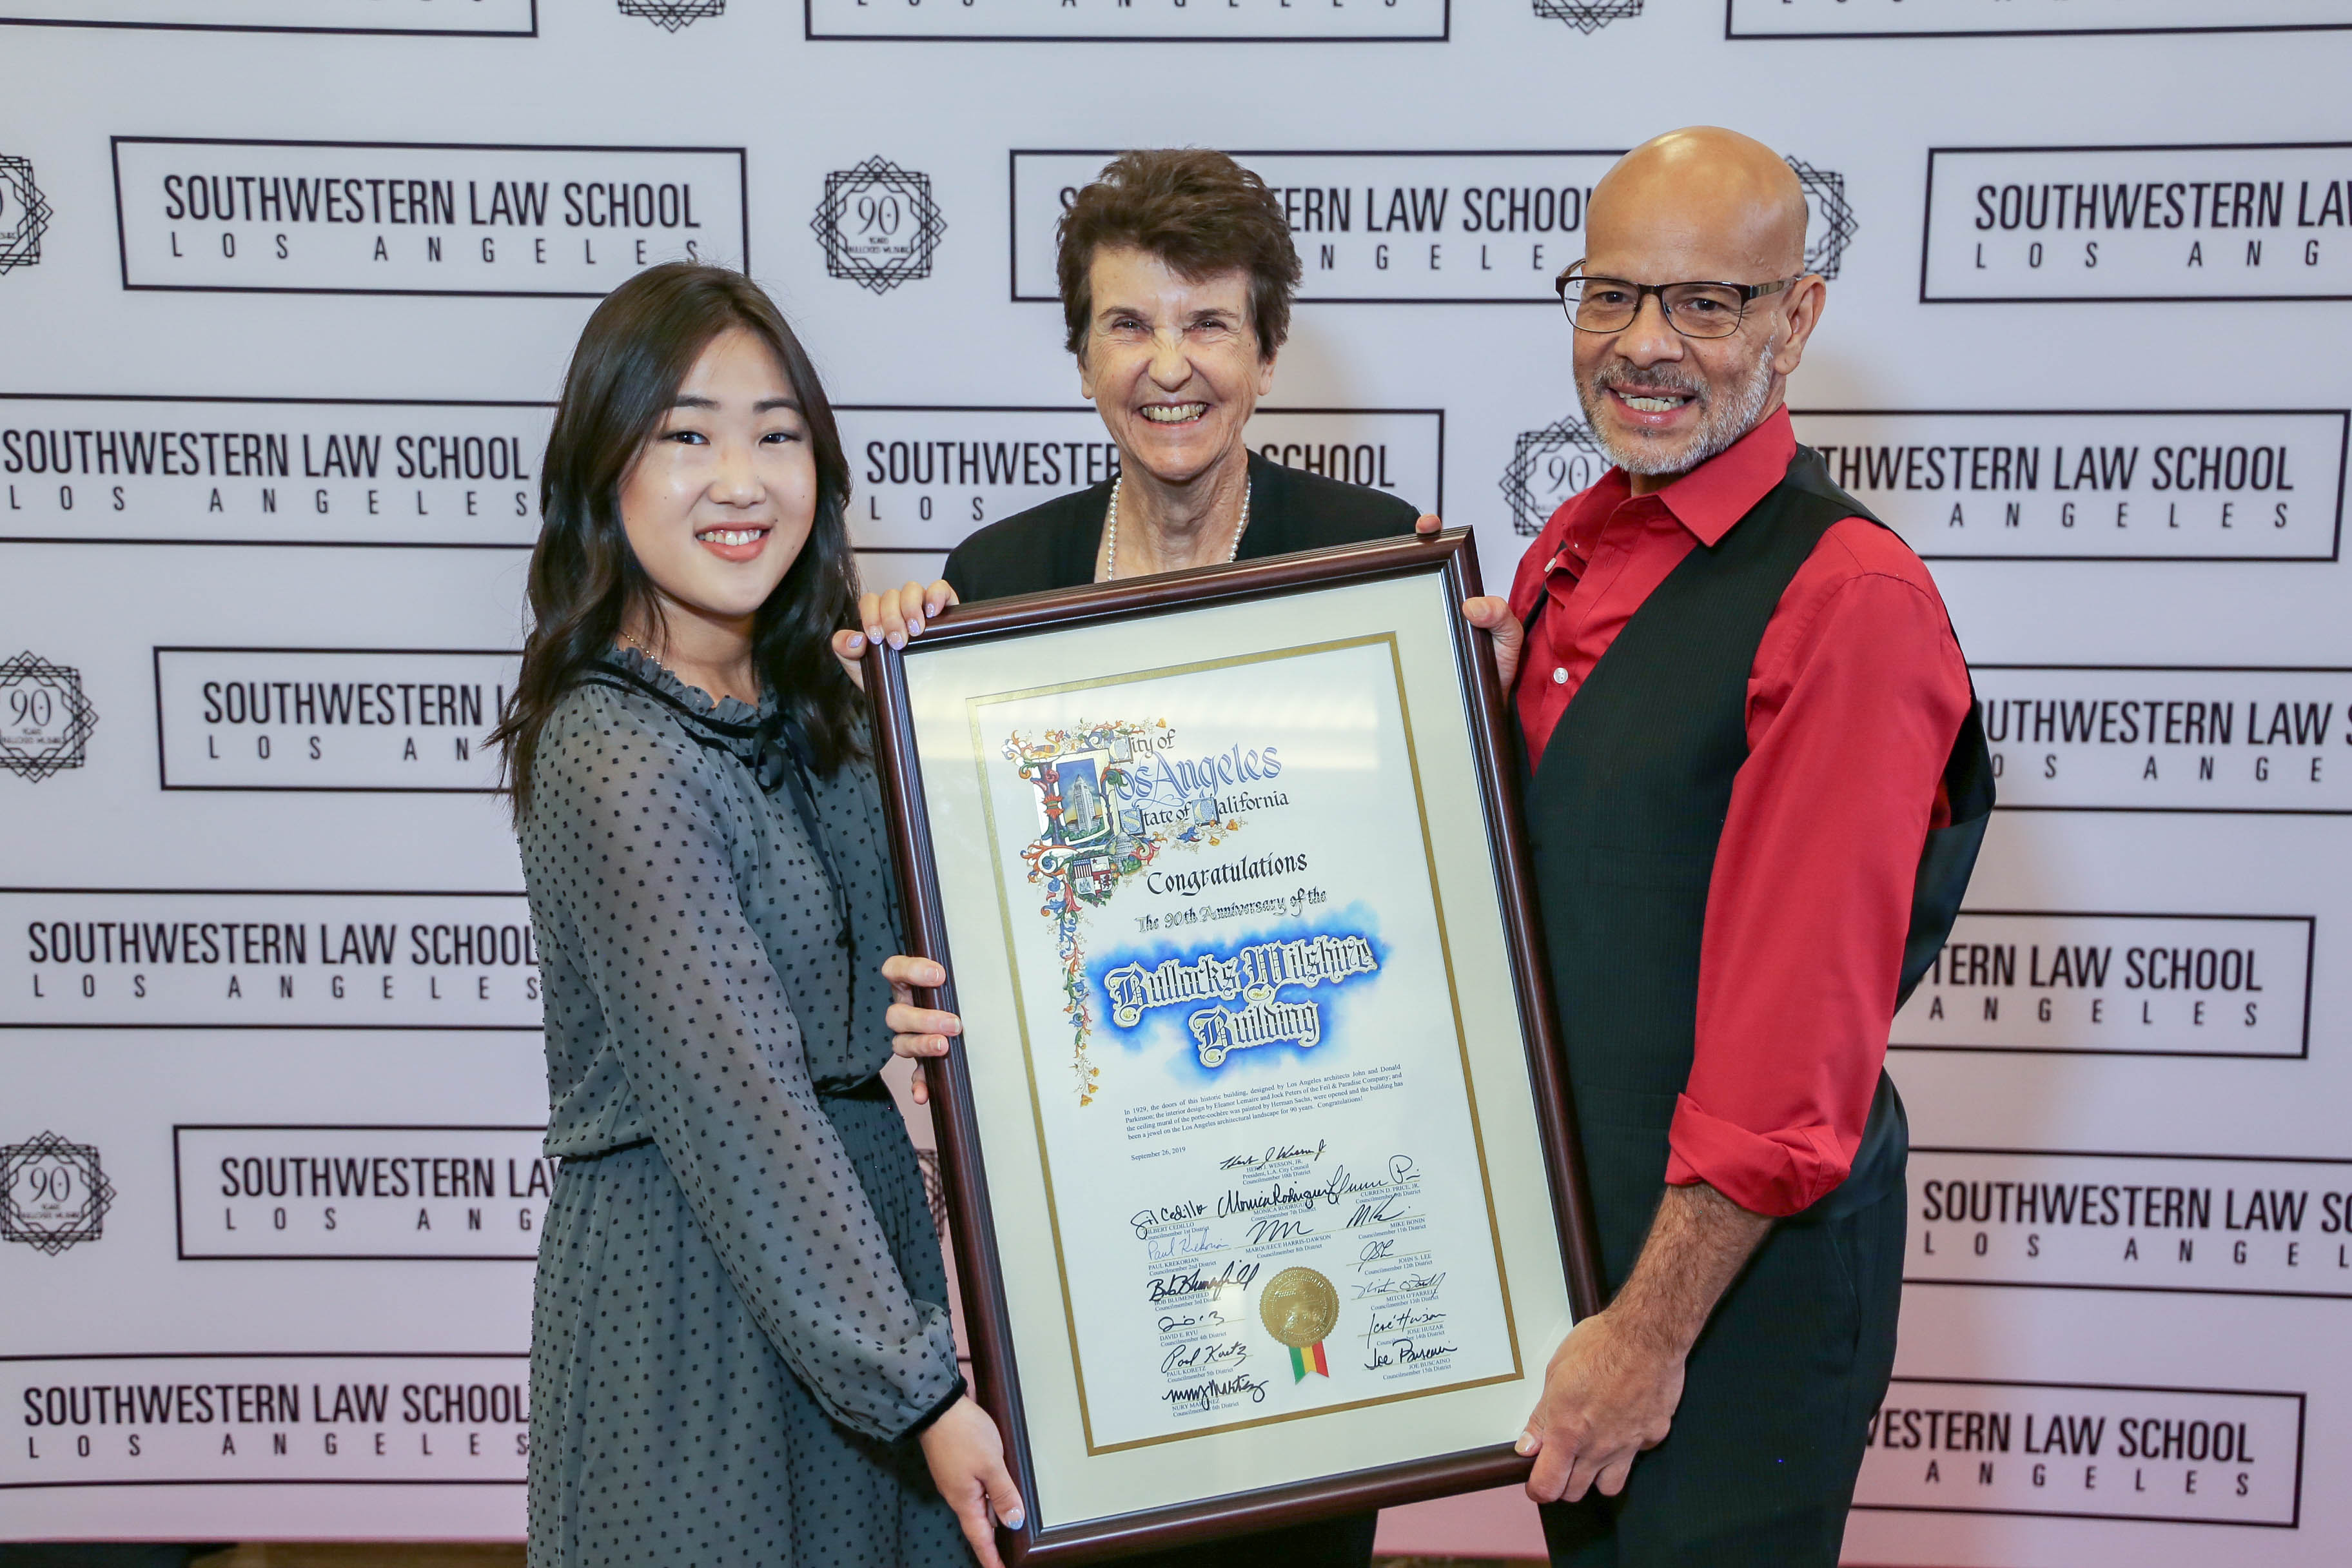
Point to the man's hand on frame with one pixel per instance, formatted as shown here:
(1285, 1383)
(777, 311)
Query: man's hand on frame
(1609, 1392)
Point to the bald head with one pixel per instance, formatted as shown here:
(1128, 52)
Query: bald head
(1698, 203)
(1703, 206)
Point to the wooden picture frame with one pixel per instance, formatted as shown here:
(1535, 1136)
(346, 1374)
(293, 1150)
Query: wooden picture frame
(1092, 1495)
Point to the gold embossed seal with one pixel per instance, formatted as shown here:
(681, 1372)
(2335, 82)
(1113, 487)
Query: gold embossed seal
(1300, 1307)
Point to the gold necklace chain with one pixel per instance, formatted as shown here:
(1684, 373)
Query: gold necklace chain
(1110, 530)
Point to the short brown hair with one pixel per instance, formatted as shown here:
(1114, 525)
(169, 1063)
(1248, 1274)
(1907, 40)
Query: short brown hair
(1196, 210)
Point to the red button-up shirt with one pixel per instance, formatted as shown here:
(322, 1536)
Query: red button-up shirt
(1856, 694)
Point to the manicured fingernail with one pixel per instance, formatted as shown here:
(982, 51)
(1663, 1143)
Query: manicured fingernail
(915, 627)
(1013, 1519)
(875, 633)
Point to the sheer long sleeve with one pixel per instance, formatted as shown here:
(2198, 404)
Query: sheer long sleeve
(633, 858)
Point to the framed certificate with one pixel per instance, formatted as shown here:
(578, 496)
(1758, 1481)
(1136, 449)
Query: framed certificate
(1264, 1194)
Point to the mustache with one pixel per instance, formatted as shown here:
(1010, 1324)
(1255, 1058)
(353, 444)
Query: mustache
(1662, 376)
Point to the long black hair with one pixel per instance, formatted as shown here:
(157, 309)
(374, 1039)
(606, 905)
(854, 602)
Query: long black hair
(585, 584)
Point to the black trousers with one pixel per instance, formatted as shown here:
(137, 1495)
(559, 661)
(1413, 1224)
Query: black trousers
(1342, 1543)
(1759, 1468)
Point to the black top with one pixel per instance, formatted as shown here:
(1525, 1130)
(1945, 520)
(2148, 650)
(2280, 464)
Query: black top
(1057, 546)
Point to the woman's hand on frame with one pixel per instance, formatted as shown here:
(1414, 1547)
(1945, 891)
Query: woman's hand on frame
(892, 615)
(916, 1031)
(967, 1460)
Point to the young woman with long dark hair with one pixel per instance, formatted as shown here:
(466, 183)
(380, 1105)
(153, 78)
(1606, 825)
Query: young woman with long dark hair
(741, 1347)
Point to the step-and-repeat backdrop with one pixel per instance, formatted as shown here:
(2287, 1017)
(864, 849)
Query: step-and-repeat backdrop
(286, 286)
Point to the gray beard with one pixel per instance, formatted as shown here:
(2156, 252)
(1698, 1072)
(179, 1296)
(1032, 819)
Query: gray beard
(1720, 425)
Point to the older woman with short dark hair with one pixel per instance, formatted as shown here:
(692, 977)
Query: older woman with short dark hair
(1177, 272)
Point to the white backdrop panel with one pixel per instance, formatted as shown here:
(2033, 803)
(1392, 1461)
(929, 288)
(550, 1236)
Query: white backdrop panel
(287, 288)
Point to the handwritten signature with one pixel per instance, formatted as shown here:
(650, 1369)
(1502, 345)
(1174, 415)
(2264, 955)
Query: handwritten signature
(1407, 1352)
(1193, 1282)
(1397, 1319)
(1201, 1395)
(1400, 1285)
(1211, 1319)
(1275, 1154)
(1211, 1356)
(1145, 1221)
(1176, 1243)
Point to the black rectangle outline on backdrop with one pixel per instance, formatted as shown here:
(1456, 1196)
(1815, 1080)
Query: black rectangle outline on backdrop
(2310, 958)
(531, 32)
(810, 35)
(179, 1207)
(1729, 7)
(162, 778)
(2189, 669)
(9, 397)
(1438, 507)
(523, 1356)
(286, 893)
(2343, 1295)
(1012, 208)
(1927, 225)
(2343, 469)
(122, 235)
(2301, 1410)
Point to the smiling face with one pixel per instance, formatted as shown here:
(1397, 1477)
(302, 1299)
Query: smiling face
(720, 501)
(1171, 363)
(1699, 205)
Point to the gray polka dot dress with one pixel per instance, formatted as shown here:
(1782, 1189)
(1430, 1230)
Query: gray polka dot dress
(739, 1313)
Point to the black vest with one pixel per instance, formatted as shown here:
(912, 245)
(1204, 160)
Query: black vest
(1624, 815)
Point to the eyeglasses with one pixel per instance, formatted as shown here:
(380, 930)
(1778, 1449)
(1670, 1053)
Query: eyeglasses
(1693, 309)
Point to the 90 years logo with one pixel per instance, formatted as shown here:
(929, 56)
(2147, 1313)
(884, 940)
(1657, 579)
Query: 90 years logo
(45, 720)
(879, 225)
(1588, 15)
(669, 15)
(23, 214)
(52, 1194)
(1547, 467)
(1829, 220)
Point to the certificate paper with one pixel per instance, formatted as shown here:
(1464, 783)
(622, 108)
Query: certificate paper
(1256, 1141)
(1243, 1043)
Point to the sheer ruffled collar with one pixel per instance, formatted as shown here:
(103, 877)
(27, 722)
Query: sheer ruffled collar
(726, 723)
(651, 672)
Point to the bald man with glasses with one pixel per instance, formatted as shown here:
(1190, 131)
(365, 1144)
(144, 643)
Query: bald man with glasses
(1755, 788)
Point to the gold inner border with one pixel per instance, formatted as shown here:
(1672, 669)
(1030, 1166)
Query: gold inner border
(980, 756)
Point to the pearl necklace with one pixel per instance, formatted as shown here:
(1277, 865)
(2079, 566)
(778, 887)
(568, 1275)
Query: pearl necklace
(1110, 530)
